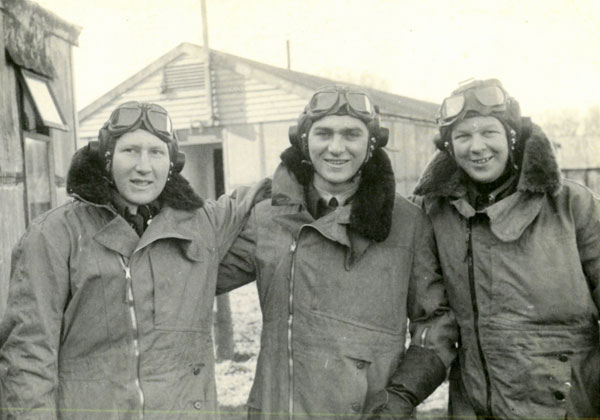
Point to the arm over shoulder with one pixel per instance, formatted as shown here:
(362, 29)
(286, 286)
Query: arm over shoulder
(229, 213)
(238, 267)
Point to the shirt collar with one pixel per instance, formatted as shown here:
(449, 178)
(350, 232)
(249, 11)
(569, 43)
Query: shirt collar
(342, 198)
(480, 200)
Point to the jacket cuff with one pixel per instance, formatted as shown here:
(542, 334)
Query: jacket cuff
(418, 375)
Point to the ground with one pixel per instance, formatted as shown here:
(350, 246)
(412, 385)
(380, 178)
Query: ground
(234, 378)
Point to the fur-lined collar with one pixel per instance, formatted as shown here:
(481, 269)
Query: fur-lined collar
(86, 180)
(539, 173)
(372, 205)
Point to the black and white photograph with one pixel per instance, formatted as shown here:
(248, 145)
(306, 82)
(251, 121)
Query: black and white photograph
(299, 209)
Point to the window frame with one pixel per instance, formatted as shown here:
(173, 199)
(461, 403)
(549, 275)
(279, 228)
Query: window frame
(40, 131)
(50, 165)
(23, 74)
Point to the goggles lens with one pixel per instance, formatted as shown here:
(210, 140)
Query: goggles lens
(129, 114)
(490, 96)
(324, 101)
(452, 106)
(359, 102)
(160, 121)
(124, 117)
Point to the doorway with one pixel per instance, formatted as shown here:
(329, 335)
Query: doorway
(204, 169)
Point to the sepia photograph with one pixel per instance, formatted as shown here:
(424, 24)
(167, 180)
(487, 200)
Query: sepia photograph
(299, 209)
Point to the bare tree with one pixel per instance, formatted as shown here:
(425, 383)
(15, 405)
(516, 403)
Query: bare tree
(560, 123)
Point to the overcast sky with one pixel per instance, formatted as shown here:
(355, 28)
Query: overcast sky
(545, 52)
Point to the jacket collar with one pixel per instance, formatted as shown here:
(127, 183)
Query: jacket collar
(118, 236)
(334, 226)
(539, 173)
(509, 217)
(86, 180)
(368, 215)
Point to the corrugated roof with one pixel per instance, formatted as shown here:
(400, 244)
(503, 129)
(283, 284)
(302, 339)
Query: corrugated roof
(389, 103)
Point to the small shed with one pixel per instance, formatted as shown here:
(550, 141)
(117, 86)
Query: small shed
(232, 116)
(579, 159)
(38, 121)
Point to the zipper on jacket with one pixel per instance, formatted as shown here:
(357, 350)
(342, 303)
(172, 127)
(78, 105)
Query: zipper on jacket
(289, 331)
(136, 348)
(471, 268)
(290, 320)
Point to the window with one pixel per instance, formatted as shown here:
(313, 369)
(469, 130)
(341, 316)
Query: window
(43, 100)
(38, 116)
(37, 175)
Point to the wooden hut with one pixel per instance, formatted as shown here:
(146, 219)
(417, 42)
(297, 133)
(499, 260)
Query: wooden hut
(38, 121)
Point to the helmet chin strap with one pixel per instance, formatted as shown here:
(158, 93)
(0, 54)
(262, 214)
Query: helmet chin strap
(372, 144)
(512, 134)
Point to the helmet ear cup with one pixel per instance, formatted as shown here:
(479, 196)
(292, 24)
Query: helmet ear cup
(382, 135)
(178, 161)
(443, 145)
(94, 148)
(293, 135)
(437, 140)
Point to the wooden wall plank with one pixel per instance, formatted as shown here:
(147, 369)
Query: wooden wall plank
(12, 193)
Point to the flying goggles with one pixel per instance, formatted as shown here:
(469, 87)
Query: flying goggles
(330, 99)
(130, 115)
(484, 97)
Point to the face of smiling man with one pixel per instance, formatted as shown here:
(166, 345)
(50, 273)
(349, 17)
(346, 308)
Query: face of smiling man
(337, 145)
(480, 147)
(140, 167)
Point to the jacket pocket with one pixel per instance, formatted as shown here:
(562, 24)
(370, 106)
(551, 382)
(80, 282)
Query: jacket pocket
(92, 399)
(345, 375)
(187, 387)
(531, 384)
(184, 285)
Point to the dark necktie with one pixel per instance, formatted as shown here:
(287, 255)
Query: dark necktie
(139, 221)
(324, 208)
